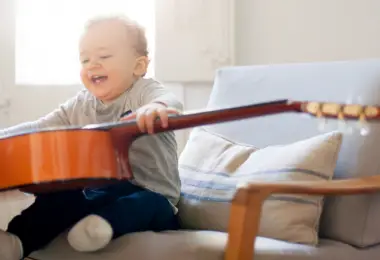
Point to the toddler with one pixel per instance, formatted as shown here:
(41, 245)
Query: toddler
(114, 58)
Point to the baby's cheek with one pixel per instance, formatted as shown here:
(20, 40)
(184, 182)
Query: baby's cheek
(84, 76)
(83, 72)
(119, 75)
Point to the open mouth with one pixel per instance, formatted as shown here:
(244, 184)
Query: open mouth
(98, 79)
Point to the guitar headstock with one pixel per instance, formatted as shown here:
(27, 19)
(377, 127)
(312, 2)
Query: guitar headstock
(342, 112)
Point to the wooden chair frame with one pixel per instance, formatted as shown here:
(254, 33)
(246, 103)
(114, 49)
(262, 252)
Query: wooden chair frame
(247, 203)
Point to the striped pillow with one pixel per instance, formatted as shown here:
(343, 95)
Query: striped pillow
(211, 166)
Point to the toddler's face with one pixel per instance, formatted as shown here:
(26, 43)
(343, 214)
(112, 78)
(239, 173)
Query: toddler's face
(109, 63)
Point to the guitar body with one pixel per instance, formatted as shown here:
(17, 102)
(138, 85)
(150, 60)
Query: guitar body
(53, 160)
(96, 155)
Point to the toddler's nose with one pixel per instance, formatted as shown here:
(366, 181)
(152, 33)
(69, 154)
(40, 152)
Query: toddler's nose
(93, 64)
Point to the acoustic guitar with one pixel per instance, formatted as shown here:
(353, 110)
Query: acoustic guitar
(68, 158)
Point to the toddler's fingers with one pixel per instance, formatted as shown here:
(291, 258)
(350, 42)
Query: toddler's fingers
(145, 118)
(150, 116)
(163, 114)
(141, 121)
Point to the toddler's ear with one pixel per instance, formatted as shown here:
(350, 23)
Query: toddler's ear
(141, 66)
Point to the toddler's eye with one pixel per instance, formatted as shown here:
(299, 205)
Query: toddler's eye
(105, 57)
(84, 61)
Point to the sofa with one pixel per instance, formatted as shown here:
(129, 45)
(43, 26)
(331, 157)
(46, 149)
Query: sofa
(289, 186)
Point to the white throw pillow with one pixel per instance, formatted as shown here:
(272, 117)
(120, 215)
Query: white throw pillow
(211, 166)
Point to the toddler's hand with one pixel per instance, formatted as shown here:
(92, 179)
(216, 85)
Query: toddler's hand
(146, 115)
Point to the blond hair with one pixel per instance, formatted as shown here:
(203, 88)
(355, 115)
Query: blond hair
(133, 29)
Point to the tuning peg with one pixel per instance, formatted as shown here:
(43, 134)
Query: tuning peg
(342, 124)
(322, 122)
(364, 131)
(363, 125)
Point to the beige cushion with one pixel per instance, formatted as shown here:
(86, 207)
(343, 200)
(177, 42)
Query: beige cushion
(199, 245)
(211, 166)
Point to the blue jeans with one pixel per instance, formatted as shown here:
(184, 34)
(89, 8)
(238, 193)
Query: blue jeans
(126, 207)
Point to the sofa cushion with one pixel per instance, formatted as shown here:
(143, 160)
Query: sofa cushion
(351, 219)
(211, 167)
(200, 245)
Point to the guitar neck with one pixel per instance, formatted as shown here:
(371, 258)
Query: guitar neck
(188, 120)
(332, 110)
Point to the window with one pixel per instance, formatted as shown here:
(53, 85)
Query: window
(47, 34)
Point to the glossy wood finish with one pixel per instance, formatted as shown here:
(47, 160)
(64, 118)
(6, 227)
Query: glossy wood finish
(247, 203)
(53, 159)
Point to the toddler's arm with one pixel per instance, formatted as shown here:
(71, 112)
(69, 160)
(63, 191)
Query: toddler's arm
(56, 118)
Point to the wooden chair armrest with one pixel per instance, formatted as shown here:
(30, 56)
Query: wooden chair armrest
(247, 203)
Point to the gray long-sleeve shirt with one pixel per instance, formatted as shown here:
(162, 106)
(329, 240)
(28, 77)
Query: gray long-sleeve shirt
(153, 158)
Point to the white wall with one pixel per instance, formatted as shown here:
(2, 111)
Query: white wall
(278, 31)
